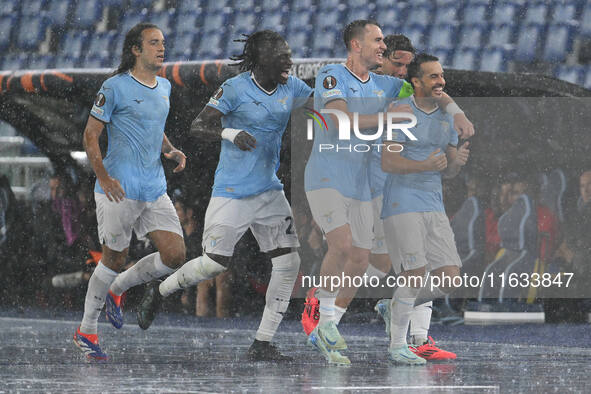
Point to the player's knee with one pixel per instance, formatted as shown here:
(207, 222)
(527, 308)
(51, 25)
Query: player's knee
(341, 248)
(288, 263)
(174, 258)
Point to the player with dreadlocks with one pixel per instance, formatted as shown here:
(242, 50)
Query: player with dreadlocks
(249, 114)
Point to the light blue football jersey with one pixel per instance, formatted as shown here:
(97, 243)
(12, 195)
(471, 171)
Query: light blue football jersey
(419, 192)
(346, 169)
(246, 106)
(135, 116)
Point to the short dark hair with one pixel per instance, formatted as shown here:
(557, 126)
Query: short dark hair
(252, 45)
(414, 68)
(356, 29)
(132, 38)
(397, 42)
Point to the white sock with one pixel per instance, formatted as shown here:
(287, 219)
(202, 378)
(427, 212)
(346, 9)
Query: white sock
(98, 286)
(326, 308)
(428, 293)
(373, 271)
(401, 307)
(338, 313)
(420, 320)
(283, 276)
(147, 269)
(191, 273)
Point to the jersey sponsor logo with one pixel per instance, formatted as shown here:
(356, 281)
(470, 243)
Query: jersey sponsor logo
(354, 90)
(100, 99)
(97, 110)
(329, 82)
(330, 93)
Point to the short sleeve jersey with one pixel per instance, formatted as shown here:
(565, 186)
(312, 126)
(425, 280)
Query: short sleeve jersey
(419, 192)
(344, 167)
(247, 106)
(135, 117)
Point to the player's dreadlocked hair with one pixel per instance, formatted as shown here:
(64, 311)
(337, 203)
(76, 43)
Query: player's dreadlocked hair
(397, 42)
(132, 38)
(252, 46)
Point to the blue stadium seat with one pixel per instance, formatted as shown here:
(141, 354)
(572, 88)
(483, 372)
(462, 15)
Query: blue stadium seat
(58, 12)
(243, 23)
(31, 32)
(474, 13)
(184, 45)
(132, 19)
(302, 5)
(272, 5)
(448, 13)
(211, 46)
(389, 17)
(445, 56)
(502, 35)
(299, 43)
(587, 81)
(328, 5)
(165, 20)
(244, 6)
(494, 59)
(100, 44)
(94, 61)
(272, 21)
(559, 42)
(358, 4)
(15, 61)
(33, 7)
(189, 6)
(214, 22)
(301, 20)
(358, 13)
(329, 19)
(472, 36)
(417, 35)
(139, 4)
(420, 14)
(321, 42)
(586, 20)
(528, 39)
(536, 12)
(7, 25)
(74, 44)
(443, 36)
(505, 13)
(572, 74)
(216, 5)
(565, 11)
(9, 7)
(233, 48)
(322, 54)
(41, 62)
(465, 59)
(88, 13)
(187, 22)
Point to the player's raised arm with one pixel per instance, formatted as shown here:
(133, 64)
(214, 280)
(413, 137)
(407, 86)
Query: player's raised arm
(110, 186)
(208, 124)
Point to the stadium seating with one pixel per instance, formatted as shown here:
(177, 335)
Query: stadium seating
(41, 62)
(559, 42)
(488, 35)
(15, 61)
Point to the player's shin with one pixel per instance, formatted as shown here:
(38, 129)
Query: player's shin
(401, 308)
(283, 276)
(191, 273)
(145, 270)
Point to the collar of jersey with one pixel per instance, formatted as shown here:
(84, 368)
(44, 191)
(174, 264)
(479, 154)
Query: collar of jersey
(141, 83)
(422, 110)
(353, 74)
(262, 88)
